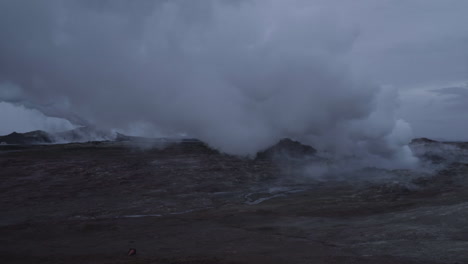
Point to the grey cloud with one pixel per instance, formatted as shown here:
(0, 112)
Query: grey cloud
(438, 113)
(457, 97)
(458, 91)
(238, 74)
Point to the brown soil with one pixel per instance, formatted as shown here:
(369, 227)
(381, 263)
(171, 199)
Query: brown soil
(185, 203)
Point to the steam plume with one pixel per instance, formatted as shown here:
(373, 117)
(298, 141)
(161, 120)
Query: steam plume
(239, 75)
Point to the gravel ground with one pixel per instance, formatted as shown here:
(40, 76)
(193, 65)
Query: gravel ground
(186, 203)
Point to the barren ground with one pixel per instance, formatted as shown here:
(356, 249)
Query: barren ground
(90, 203)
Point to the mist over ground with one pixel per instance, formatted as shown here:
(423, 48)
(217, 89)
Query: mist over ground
(224, 131)
(239, 75)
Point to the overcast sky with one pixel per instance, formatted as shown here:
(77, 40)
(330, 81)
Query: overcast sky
(239, 74)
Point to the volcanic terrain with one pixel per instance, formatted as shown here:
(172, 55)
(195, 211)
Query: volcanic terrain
(183, 202)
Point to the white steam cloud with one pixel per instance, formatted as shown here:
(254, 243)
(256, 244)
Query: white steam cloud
(17, 118)
(239, 75)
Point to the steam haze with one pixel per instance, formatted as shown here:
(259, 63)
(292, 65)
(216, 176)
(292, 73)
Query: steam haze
(239, 75)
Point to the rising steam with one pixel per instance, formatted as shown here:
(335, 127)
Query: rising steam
(239, 75)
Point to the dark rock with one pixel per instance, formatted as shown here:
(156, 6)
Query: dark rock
(33, 137)
(287, 148)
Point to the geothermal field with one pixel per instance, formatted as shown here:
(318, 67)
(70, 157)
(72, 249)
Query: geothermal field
(183, 202)
(233, 132)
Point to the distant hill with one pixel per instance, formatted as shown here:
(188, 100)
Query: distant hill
(426, 142)
(287, 148)
(122, 137)
(423, 141)
(82, 134)
(33, 137)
